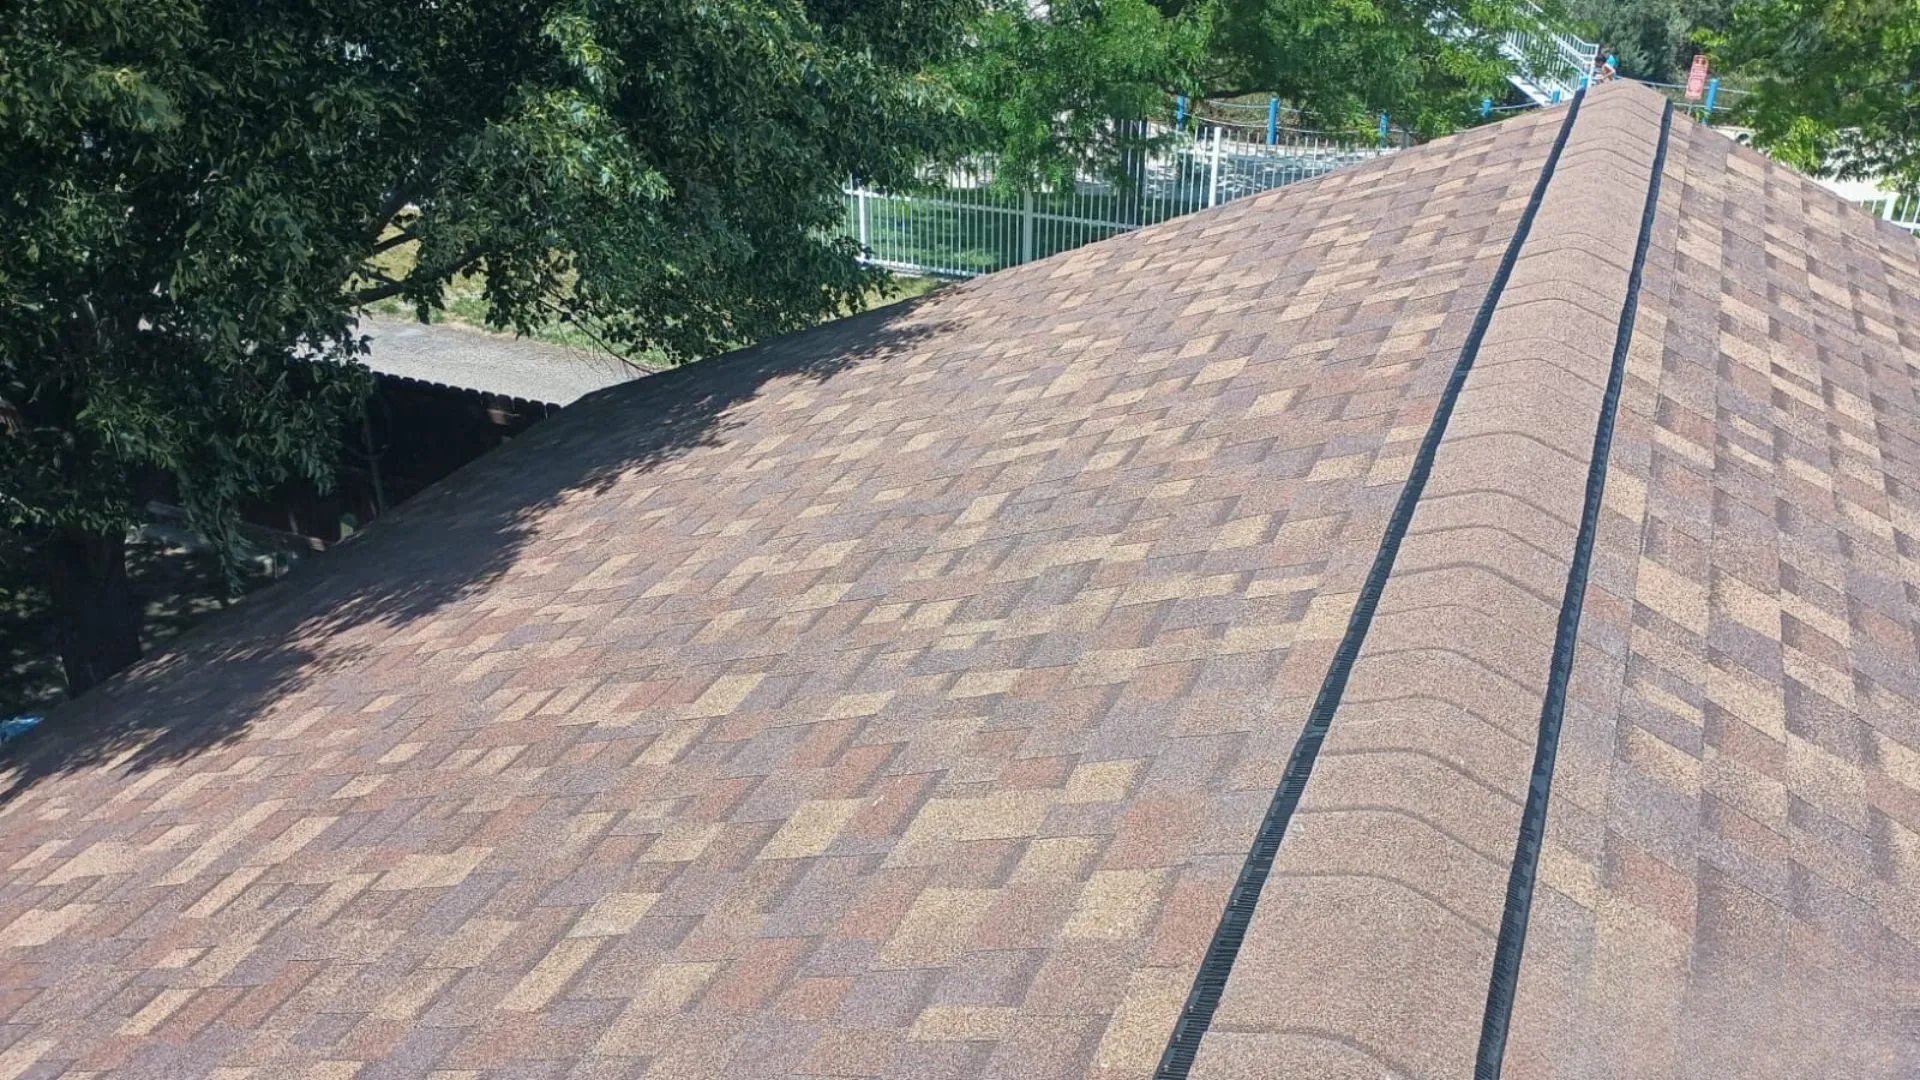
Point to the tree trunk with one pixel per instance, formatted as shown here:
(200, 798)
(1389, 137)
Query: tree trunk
(96, 624)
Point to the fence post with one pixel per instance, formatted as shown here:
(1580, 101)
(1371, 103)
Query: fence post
(1713, 91)
(860, 198)
(1213, 171)
(1180, 113)
(1486, 107)
(1383, 129)
(1026, 226)
(1273, 120)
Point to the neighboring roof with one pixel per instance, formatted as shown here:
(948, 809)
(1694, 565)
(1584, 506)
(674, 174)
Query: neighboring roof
(904, 698)
(490, 363)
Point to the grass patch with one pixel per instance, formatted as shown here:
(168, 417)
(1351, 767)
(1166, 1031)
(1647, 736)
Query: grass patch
(465, 305)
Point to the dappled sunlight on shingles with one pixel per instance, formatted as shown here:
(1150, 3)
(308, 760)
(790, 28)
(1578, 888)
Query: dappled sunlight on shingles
(893, 700)
(304, 645)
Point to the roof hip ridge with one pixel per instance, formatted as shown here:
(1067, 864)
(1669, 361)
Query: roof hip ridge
(1519, 418)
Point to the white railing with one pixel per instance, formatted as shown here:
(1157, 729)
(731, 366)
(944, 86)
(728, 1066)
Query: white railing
(1549, 64)
(1902, 210)
(959, 224)
(1868, 193)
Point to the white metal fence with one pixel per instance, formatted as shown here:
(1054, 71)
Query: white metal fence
(1876, 195)
(1902, 210)
(1868, 193)
(960, 225)
(1550, 63)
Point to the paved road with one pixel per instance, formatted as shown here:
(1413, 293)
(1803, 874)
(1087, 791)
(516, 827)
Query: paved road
(495, 363)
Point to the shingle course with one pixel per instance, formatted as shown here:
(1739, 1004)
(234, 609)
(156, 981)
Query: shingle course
(899, 699)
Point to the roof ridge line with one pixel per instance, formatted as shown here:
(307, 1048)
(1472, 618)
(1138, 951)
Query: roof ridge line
(1223, 949)
(1510, 947)
(1523, 425)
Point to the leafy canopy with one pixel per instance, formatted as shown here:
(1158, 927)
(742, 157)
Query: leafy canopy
(193, 194)
(1426, 63)
(1653, 39)
(1041, 82)
(1042, 91)
(194, 191)
(1833, 83)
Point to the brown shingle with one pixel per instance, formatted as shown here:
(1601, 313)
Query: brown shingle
(1727, 905)
(900, 698)
(1405, 833)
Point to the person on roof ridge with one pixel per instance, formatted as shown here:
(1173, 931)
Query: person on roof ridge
(1606, 66)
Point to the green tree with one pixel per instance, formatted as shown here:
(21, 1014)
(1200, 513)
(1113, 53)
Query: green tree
(1652, 39)
(1050, 88)
(1043, 91)
(1426, 63)
(192, 194)
(1831, 84)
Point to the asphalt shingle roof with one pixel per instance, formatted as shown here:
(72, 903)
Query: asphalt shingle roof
(904, 698)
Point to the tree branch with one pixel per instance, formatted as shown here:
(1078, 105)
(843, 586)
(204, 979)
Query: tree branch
(404, 236)
(396, 201)
(395, 288)
(1231, 92)
(605, 346)
(368, 296)
(403, 193)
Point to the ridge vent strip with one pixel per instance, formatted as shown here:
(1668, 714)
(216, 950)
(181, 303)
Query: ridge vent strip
(1505, 982)
(1210, 983)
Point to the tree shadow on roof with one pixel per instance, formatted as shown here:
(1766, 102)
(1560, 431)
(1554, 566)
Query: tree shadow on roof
(292, 647)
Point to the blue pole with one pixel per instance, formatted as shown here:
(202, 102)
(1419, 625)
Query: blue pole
(1383, 129)
(1180, 113)
(1273, 120)
(1713, 91)
(1486, 107)
(1556, 98)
